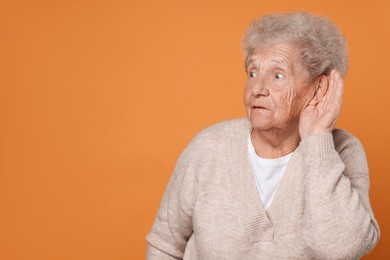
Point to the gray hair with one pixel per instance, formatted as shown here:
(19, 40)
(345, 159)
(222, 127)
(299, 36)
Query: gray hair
(320, 42)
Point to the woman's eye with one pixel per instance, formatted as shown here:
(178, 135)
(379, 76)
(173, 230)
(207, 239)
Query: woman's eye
(279, 76)
(252, 74)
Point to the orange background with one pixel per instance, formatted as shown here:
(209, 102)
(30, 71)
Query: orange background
(98, 99)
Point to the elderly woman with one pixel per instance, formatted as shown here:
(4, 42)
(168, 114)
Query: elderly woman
(283, 183)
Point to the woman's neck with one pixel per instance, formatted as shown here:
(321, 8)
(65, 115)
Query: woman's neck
(274, 143)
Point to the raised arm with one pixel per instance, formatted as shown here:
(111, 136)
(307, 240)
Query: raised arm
(339, 223)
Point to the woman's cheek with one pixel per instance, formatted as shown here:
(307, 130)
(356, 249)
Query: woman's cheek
(247, 93)
(285, 97)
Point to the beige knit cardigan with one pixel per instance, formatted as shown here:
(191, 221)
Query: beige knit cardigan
(212, 210)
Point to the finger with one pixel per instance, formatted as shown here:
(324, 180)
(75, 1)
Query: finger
(340, 90)
(330, 93)
(338, 85)
(337, 98)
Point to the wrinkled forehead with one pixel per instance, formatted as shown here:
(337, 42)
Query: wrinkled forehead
(283, 54)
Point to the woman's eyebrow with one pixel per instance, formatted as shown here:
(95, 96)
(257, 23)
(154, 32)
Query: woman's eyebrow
(252, 63)
(253, 59)
(284, 63)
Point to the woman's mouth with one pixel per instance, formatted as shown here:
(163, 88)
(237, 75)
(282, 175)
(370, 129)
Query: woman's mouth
(259, 108)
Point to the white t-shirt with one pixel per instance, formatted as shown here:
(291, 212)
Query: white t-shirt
(268, 173)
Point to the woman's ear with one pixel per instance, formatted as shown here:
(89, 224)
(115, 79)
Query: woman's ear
(321, 87)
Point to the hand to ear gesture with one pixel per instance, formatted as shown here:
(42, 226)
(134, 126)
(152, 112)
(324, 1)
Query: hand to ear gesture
(321, 114)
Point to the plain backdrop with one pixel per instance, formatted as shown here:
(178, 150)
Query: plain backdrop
(99, 98)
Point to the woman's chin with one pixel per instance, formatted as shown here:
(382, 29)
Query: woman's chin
(261, 124)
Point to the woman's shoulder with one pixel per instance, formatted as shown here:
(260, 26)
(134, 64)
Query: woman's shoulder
(351, 151)
(344, 139)
(224, 130)
(221, 133)
(227, 127)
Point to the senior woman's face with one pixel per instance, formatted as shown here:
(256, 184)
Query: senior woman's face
(277, 88)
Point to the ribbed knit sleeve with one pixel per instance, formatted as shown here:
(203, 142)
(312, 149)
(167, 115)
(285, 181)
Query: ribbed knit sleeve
(338, 220)
(173, 224)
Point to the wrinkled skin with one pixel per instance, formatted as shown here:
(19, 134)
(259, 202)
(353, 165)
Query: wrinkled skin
(282, 105)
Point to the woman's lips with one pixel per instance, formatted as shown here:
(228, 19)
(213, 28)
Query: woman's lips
(259, 108)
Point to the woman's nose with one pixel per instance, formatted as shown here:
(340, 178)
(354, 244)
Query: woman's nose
(260, 88)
